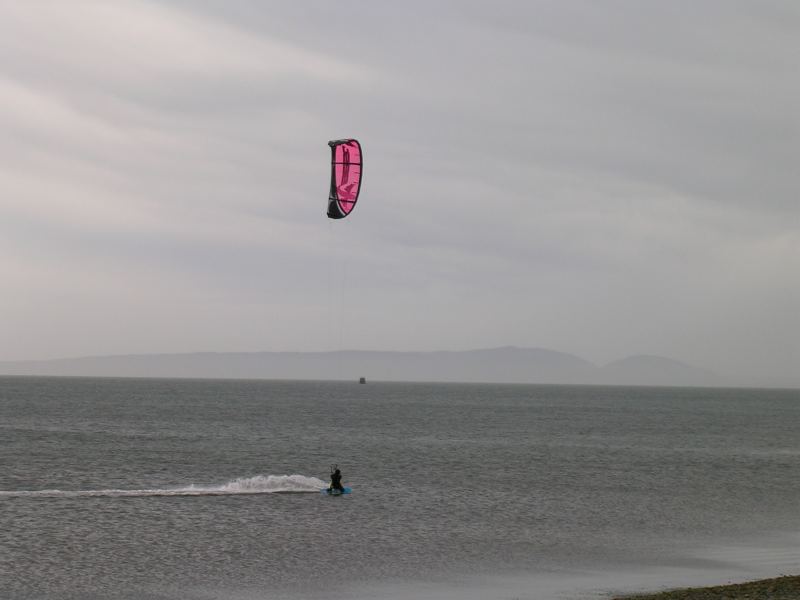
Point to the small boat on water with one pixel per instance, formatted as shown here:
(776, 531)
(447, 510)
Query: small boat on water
(362, 380)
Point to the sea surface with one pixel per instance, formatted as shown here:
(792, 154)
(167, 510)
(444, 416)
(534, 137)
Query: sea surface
(185, 489)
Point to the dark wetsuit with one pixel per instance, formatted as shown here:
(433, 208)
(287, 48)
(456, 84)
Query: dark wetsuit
(336, 480)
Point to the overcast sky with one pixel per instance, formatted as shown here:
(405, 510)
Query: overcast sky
(601, 178)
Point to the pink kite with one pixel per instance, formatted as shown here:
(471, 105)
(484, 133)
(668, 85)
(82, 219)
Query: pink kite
(346, 167)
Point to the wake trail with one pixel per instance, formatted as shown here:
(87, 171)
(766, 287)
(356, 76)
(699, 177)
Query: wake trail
(260, 484)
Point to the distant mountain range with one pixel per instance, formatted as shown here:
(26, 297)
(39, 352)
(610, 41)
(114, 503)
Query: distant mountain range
(495, 365)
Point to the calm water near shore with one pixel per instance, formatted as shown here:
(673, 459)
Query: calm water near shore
(166, 489)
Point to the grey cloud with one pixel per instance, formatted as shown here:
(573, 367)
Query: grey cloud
(605, 179)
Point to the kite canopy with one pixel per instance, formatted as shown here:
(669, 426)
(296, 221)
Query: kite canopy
(346, 164)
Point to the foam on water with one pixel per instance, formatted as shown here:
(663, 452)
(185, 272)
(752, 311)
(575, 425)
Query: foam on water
(260, 484)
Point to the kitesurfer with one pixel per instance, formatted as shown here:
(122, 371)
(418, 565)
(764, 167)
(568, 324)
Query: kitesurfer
(336, 481)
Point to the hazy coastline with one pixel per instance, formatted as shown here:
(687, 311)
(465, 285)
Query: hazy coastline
(493, 365)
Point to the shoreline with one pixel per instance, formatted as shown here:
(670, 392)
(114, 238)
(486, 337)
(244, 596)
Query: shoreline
(785, 587)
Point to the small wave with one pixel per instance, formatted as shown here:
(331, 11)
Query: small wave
(260, 484)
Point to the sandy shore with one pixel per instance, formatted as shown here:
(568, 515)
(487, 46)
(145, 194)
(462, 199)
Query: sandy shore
(780, 588)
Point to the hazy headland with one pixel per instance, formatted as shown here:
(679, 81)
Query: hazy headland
(495, 365)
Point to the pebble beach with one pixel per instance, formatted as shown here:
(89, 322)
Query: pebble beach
(779, 588)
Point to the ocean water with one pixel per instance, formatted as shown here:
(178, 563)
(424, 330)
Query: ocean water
(185, 489)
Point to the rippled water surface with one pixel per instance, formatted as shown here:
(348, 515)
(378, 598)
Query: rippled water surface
(174, 489)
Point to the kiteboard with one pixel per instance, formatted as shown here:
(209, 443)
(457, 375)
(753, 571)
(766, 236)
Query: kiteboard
(330, 492)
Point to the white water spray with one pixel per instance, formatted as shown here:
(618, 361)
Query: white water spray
(260, 484)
